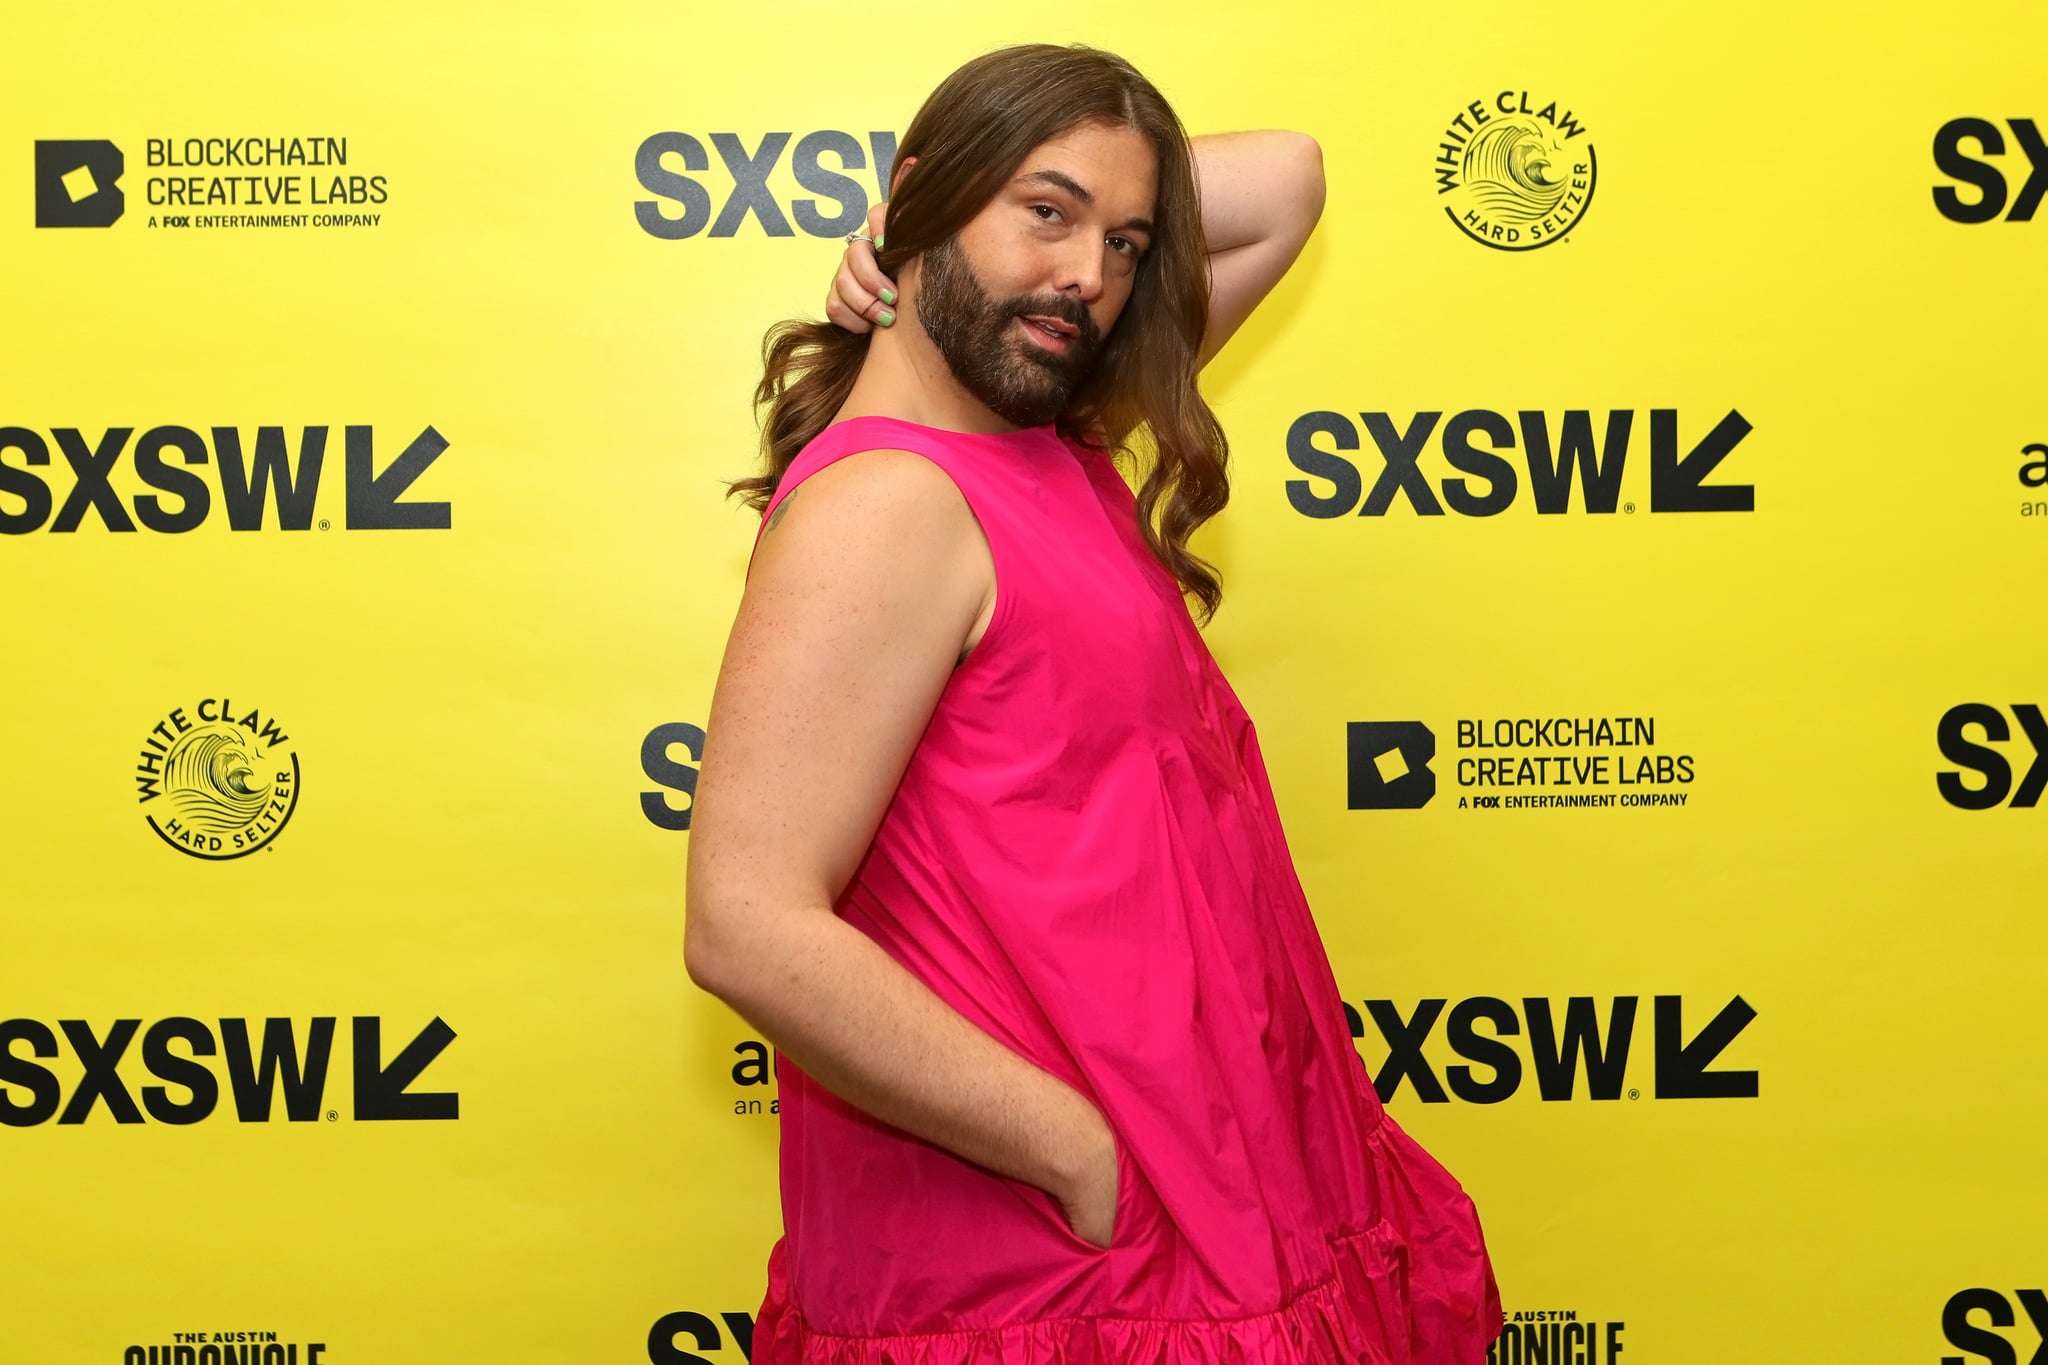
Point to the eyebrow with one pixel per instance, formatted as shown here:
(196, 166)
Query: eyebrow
(1061, 180)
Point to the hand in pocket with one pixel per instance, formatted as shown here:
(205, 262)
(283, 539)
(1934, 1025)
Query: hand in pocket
(1090, 1200)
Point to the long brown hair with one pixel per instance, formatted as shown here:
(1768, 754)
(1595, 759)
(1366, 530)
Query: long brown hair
(968, 139)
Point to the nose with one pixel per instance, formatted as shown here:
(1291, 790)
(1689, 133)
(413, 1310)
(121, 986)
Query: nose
(1078, 268)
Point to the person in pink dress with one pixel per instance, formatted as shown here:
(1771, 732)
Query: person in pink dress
(983, 842)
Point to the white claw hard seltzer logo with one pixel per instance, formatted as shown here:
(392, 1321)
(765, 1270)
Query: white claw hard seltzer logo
(217, 780)
(1515, 171)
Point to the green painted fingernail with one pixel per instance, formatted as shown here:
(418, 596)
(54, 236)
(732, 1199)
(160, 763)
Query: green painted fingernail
(887, 319)
(888, 296)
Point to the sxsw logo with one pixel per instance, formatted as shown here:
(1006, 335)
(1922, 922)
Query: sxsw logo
(75, 184)
(1958, 1330)
(1388, 762)
(1563, 1045)
(1991, 184)
(1472, 443)
(279, 1065)
(674, 776)
(683, 206)
(252, 474)
(1990, 765)
(702, 1334)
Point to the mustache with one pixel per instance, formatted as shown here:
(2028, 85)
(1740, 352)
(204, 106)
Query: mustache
(1061, 307)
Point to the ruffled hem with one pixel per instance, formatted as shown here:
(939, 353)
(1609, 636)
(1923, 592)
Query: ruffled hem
(1424, 1298)
(1331, 1324)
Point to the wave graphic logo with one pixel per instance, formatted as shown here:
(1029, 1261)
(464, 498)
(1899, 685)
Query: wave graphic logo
(229, 781)
(1518, 174)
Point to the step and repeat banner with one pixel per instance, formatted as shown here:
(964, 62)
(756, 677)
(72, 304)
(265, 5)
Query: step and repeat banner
(1636, 562)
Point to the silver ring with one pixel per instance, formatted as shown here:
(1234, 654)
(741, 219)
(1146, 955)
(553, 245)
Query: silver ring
(853, 237)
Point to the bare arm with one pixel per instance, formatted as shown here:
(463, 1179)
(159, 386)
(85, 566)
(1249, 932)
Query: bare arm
(1261, 196)
(856, 609)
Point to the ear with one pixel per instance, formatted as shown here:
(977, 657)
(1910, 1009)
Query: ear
(896, 176)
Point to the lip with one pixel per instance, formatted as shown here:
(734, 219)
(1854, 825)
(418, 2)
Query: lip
(1054, 334)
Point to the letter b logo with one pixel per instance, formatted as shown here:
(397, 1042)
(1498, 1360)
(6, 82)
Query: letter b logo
(75, 184)
(1389, 765)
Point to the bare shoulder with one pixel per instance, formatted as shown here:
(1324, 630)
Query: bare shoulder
(883, 531)
(890, 492)
(854, 614)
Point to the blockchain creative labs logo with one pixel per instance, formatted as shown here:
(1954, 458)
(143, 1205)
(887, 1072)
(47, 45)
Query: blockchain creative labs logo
(256, 180)
(1515, 173)
(227, 777)
(228, 1348)
(1554, 1336)
(77, 183)
(1388, 763)
(1558, 763)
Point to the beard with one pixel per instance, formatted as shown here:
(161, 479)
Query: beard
(1025, 385)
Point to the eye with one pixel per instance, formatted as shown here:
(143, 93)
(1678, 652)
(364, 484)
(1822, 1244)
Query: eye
(1123, 245)
(1046, 213)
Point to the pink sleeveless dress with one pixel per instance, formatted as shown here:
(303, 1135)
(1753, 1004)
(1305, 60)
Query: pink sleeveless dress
(1084, 858)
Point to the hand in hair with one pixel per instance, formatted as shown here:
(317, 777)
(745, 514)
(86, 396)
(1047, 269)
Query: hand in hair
(862, 297)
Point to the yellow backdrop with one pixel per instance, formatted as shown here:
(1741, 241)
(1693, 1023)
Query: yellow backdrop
(1613, 582)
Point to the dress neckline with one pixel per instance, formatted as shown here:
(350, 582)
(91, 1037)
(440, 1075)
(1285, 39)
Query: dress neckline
(1027, 442)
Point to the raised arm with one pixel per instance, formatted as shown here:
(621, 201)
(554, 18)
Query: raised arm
(863, 591)
(1261, 195)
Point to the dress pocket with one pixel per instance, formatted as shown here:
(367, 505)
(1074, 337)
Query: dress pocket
(1119, 1219)
(1126, 1190)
